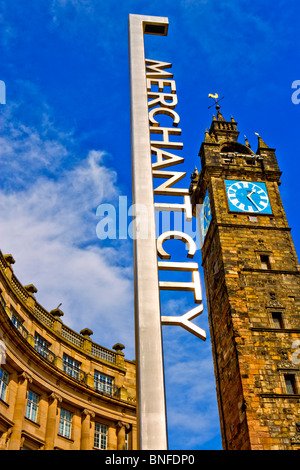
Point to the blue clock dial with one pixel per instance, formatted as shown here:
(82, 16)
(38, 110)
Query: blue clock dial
(205, 216)
(247, 196)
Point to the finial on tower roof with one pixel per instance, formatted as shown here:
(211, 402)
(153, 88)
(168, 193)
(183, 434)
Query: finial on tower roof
(216, 99)
(247, 142)
(261, 143)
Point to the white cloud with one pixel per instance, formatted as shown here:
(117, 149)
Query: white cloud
(50, 228)
(27, 150)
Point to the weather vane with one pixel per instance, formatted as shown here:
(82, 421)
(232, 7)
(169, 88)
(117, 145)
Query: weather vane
(216, 100)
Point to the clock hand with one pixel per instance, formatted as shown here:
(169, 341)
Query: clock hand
(248, 196)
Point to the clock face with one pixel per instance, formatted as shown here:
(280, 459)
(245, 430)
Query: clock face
(247, 196)
(205, 217)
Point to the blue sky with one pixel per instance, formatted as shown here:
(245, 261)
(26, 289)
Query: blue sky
(65, 149)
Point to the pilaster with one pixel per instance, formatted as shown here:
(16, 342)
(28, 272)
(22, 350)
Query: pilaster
(85, 429)
(19, 411)
(121, 431)
(51, 420)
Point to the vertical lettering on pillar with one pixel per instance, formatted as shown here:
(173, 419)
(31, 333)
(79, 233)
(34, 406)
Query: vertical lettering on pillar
(163, 121)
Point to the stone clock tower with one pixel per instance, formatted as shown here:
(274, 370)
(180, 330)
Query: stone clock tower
(252, 279)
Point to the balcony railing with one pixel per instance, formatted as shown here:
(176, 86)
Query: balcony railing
(19, 326)
(72, 336)
(106, 389)
(45, 317)
(102, 353)
(74, 372)
(45, 352)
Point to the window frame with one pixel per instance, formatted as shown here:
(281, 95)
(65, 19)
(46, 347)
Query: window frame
(100, 436)
(32, 406)
(65, 423)
(106, 385)
(294, 384)
(3, 383)
(71, 366)
(265, 262)
(250, 160)
(41, 345)
(280, 319)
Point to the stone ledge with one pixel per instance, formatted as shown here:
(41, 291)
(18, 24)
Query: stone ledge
(247, 226)
(269, 271)
(278, 330)
(295, 396)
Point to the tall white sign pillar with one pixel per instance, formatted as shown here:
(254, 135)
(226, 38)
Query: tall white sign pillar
(151, 406)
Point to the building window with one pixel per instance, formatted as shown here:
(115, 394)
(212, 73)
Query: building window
(32, 406)
(100, 438)
(71, 367)
(3, 383)
(41, 346)
(15, 320)
(265, 262)
(250, 161)
(103, 383)
(290, 383)
(228, 158)
(65, 423)
(277, 320)
(18, 324)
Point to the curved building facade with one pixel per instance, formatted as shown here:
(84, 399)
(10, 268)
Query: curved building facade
(59, 389)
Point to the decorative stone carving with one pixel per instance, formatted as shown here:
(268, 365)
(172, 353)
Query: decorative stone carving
(285, 363)
(296, 438)
(24, 376)
(31, 289)
(9, 259)
(86, 332)
(121, 424)
(262, 247)
(56, 312)
(118, 347)
(273, 302)
(87, 412)
(55, 396)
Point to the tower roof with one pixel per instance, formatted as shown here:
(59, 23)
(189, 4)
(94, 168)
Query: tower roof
(222, 130)
(261, 144)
